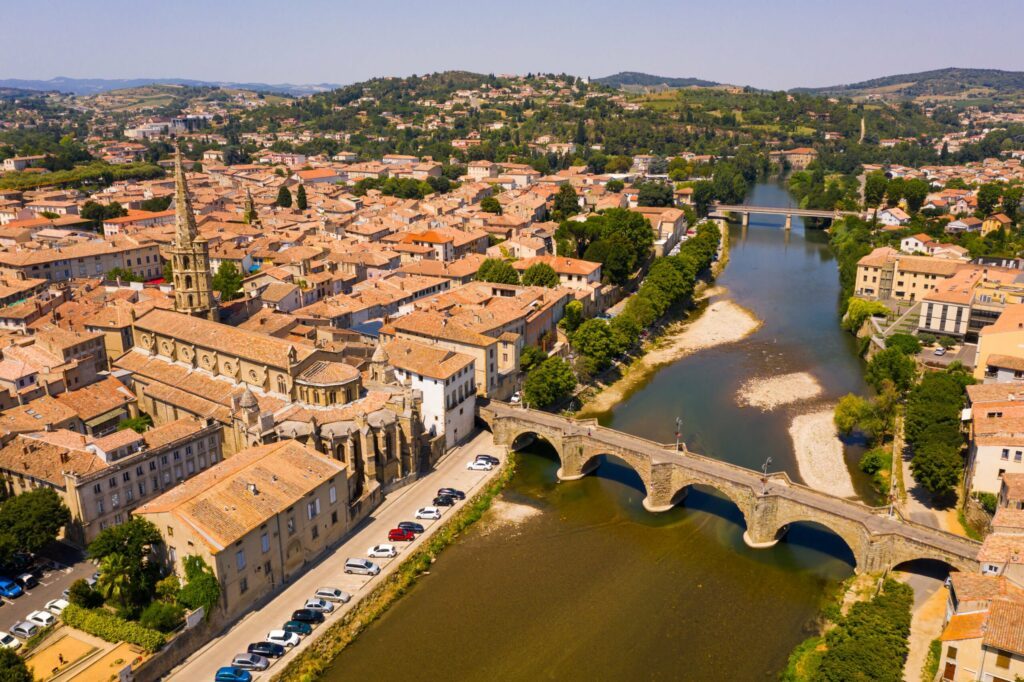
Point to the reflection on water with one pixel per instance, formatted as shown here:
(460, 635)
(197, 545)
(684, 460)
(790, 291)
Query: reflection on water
(595, 587)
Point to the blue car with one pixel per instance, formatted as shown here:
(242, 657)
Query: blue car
(10, 589)
(232, 674)
(297, 627)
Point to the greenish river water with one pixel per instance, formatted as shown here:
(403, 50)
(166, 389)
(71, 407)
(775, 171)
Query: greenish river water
(593, 587)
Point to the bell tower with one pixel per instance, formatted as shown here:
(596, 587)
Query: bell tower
(190, 255)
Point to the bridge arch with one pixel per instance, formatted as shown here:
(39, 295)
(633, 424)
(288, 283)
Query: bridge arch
(856, 538)
(742, 502)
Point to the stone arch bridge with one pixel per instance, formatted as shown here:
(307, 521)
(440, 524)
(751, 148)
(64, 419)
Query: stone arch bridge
(879, 542)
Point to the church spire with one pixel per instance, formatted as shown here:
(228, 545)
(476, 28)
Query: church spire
(185, 219)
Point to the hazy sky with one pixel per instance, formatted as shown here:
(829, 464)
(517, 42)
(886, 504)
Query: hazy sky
(766, 43)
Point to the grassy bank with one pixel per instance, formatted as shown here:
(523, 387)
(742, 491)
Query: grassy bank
(313, 661)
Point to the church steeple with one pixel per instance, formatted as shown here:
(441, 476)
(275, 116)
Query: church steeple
(190, 254)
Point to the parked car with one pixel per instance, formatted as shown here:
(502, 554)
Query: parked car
(444, 501)
(452, 492)
(56, 606)
(8, 642)
(516, 398)
(939, 351)
(308, 616)
(284, 637)
(411, 526)
(479, 465)
(361, 566)
(250, 661)
(317, 604)
(490, 459)
(401, 535)
(43, 619)
(332, 594)
(298, 628)
(382, 551)
(24, 629)
(428, 513)
(10, 589)
(27, 581)
(231, 674)
(267, 649)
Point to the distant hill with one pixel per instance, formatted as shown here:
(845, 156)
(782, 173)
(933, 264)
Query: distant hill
(940, 82)
(94, 86)
(646, 80)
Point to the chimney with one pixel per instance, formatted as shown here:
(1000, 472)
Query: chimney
(251, 487)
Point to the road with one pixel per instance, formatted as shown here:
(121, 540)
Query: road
(71, 567)
(399, 506)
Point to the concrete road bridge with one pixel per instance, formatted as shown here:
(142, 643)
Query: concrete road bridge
(769, 504)
(719, 210)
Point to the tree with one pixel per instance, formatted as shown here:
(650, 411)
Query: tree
(227, 281)
(122, 274)
(655, 194)
(572, 318)
(300, 198)
(97, 212)
(284, 198)
(548, 383)
(906, 343)
(595, 340)
(614, 185)
(115, 581)
(168, 271)
(1011, 201)
(81, 594)
(156, 204)
(936, 467)
(540, 275)
(947, 342)
(490, 205)
(850, 412)
(915, 192)
(13, 668)
(201, 589)
(893, 365)
(162, 616)
(31, 521)
(497, 271)
(138, 424)
(875, 185)
(988, 197)
(531, 357)
(566, 202)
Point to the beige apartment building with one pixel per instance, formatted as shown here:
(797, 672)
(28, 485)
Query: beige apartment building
(256, 518)
(886, 273)
(85, 259)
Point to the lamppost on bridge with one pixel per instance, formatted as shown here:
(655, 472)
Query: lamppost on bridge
(679, 429)
(764, 478)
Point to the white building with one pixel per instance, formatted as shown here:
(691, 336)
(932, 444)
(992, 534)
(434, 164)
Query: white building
(446, 380)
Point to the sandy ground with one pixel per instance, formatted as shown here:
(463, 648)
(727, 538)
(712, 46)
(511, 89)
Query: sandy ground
(767, 393)
(925, 625)
(504, 514)
(819, 453)
(722, 322)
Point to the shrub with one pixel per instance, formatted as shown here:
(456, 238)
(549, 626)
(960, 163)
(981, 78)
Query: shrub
(110, 628)
(906, 343)
(927, 339)
(162, 616)
(860, 310)
(80, 594)
(988, 501)
(874, 460)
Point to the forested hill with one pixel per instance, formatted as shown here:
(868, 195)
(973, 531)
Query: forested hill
(93, 86)
(941, 82)
(635, 78)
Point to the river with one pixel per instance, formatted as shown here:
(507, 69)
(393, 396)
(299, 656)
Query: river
(593, 587)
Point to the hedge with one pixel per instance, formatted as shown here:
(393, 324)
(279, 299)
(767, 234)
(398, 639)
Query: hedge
(109, 627)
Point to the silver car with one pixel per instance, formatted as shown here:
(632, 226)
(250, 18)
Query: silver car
(361, 566)
(250, 662)
(321, 605)
(24, 629)
(332, 594)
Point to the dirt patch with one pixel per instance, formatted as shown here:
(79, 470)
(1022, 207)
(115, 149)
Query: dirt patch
(819, 453)
(504, 514)
(767, 393)
(722, 322)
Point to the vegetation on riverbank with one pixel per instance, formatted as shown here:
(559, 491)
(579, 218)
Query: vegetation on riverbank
(868, 643)
(317, 658)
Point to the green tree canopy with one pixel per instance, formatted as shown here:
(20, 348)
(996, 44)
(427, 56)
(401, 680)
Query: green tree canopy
(497, 271)
(891, 364)
(548, 383)
(31, 521)
(566, 202)
(572, 318)
(655, 194)
(227, 281)
(540, 275)
(595, 339)
(284, 197)
(13, 668)
(300, 198)
(201, 589)
(906, 343)
(531, 357)
(490, 205)
(123, 274)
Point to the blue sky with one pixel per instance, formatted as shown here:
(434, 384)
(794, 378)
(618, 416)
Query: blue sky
(766, 43)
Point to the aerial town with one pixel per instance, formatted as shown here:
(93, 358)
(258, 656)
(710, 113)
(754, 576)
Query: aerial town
(290, 374)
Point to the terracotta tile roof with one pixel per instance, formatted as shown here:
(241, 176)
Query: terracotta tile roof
(47, 461)
(96, 399)
(966, 626)
(428, 361)
(179, 429)
(1005, 627)
(328, 373)
(221, 507)
(560, 264)
(222, 338)
(1005, 361)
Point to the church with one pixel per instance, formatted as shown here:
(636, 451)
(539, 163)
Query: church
(263, 389)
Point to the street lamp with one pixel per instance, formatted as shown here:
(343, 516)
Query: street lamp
(679, 428)
(764, 478)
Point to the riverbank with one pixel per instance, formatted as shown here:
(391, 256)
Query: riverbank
(713, 321)
(313, 661)
(819, 453)
(768, 393)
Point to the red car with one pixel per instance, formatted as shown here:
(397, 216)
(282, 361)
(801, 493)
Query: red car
(401, 535)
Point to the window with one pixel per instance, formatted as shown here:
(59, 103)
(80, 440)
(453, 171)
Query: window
(265, 543)
(332, 493)
(112, 483)
(170, 532)
(115, 500)
(315, 531)
(243, 586)
(1016, 456)
(240, 559)
(142, 488)
(129, 495)
(152, 465)
(313, 508)
(291, 525)
(98, 488)
(177, 455)
(951, 653)
(172, 554)
(1006, 453)
(138, 471)
(126, 476)
(334, 517)
(1002, 659)
(99, 506)
(190, 467)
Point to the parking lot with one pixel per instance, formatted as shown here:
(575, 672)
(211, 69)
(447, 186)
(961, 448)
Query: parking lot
(399, 506)
(65, 566)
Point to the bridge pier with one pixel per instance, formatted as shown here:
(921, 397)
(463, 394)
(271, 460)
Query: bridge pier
(745, 218)
(789, 221)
